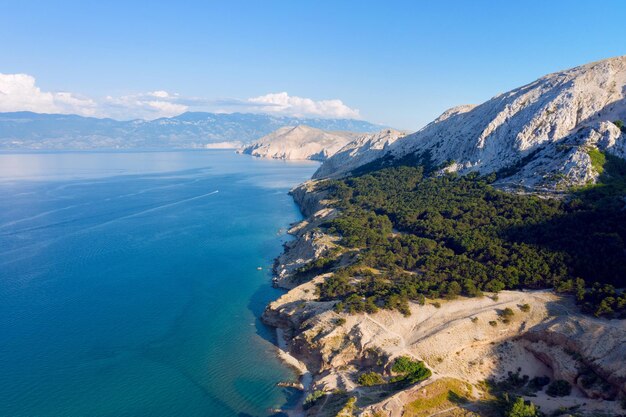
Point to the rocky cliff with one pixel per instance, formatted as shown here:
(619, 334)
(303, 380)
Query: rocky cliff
(299, 142)
(538, 135)
(360, 151)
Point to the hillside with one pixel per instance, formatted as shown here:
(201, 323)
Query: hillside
(351, 154)
(299, 142)
(540, 136)
(30, 131)
(473, 268)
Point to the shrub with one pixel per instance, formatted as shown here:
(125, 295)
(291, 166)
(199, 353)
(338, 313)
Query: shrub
(525, 308)
(436, 304)
(538, 382)
(453, 291)
(410, 371)
(521, 408)
(312, 398)
(598, 160)
(559, 388)
(368, 379)
(340, 321)
(493, 323)
(619, 124)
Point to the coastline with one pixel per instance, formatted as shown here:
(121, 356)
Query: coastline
(327, 354)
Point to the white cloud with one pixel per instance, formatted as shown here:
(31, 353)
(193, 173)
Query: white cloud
(285, 104)
(149, 106)
(160, 94)
(18, 92)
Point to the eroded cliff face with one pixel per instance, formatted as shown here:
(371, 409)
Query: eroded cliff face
(465, 341)
(540, 133)
(589, 353)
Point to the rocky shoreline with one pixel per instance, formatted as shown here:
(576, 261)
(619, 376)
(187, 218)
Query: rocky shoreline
(463, 341)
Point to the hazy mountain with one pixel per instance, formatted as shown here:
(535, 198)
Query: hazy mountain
(540, 135)
(26, 130)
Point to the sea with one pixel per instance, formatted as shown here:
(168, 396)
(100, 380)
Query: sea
(131, 283)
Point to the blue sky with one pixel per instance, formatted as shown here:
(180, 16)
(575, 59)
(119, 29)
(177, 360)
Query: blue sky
(399, 63)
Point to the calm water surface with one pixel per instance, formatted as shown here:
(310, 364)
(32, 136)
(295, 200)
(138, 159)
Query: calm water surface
(129, 282)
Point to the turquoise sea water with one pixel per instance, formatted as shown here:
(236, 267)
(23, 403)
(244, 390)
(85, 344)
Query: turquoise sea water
(129, 283)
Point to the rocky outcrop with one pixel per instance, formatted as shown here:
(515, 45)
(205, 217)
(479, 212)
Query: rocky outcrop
(587, 352)
(309, 243)
(309, 246)
(299, 142)
(538, 135)
(360, 151)
(309, 198)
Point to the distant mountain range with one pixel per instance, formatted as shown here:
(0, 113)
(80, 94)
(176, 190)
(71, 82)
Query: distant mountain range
(32, 131)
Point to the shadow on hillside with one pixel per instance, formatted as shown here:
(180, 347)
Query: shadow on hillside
(592, 231)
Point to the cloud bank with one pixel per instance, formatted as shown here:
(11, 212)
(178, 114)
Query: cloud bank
(151, 105)
(298, 106)
(19, 92)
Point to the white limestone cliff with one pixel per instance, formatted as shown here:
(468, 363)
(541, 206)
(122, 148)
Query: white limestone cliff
(299, 142)
(541, 132)
(375, 144)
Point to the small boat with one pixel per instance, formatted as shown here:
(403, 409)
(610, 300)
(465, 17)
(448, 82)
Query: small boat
(259, 268)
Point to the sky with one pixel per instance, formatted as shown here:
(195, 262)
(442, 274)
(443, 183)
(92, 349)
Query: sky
(398, 63)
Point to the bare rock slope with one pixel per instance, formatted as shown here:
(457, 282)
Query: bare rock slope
(541, 133)
(299, 142)
(353, 153)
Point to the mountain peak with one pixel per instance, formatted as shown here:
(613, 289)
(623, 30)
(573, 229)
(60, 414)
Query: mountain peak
(540, 133)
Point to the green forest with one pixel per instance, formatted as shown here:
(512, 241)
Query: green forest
(413, 235)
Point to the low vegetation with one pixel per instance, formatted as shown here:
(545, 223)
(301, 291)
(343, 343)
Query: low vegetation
(313, 398)
(369, 379)
(559, 388)
(598, 160)
(538, 383)
(439, 396)
(521, 408)
(409, 371)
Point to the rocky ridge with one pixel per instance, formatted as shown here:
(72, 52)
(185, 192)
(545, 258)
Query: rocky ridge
(541, 133)
(352, 154)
